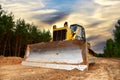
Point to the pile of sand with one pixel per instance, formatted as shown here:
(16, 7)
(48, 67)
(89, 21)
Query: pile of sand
(10, 60)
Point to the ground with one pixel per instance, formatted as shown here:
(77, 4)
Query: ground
(103, 69)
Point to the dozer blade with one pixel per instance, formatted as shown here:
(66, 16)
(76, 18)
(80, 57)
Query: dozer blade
(66, 55)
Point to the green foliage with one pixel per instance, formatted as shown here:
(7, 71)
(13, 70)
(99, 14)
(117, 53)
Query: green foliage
(117, 32)
(108, 50)
(99, 55)
(116, 50)
(112, 48)
(45, 36)
(14, 36)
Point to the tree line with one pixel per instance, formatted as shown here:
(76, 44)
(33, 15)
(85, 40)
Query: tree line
(112, 48)
(15, 35)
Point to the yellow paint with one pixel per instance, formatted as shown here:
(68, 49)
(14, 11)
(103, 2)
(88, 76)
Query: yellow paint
(68, 33)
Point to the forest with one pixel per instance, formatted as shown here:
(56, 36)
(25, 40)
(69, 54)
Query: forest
(16, 35)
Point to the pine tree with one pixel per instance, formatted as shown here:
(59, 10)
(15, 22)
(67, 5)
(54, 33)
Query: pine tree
(117, 39)
(117, 32)
(108, 50)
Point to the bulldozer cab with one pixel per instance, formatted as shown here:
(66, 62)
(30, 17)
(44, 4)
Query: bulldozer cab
(65, 33)
(78, 32)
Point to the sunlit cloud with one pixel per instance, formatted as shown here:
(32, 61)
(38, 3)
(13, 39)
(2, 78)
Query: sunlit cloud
(107, 2)
(22, 8)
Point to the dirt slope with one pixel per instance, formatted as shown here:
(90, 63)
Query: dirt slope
(104, 69)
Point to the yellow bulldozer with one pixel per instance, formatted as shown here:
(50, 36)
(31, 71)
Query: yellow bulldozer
(67, 50)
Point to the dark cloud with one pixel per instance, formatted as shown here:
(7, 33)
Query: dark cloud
(96, 23)
(92, 38)
(51, 17)
(99, 46)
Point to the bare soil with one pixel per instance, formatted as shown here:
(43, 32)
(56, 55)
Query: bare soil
(103, 69)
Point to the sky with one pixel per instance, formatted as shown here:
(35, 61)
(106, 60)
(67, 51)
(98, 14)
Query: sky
(98, 17)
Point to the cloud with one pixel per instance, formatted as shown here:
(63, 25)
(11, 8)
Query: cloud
(95, 24)
(100, 46)
(37, 11)
(107, 2)
(107, 13)
(45, 11)
(92, 38)
(33, 4)
(21, 8)
(50, 18)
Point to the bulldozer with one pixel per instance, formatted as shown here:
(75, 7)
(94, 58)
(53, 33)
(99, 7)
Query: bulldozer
(67, 50)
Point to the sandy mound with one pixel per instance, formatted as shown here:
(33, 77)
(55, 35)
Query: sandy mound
(10, 60)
